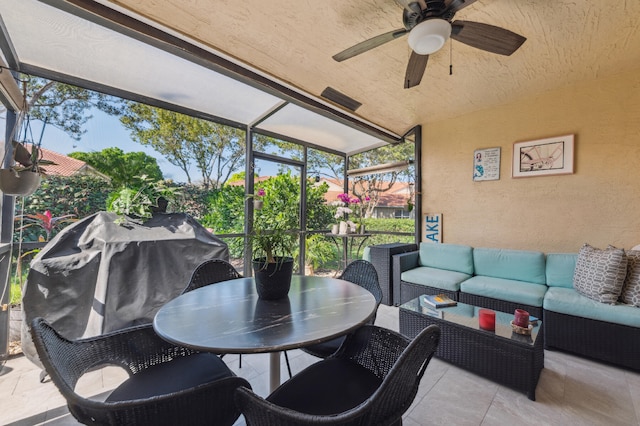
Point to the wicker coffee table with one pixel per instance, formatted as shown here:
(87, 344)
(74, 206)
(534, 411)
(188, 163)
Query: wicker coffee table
(502, 356)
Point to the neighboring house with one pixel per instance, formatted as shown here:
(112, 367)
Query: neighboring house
(65, 166)
(392, 204)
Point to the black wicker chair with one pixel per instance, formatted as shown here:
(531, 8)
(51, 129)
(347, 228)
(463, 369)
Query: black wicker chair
(212, 272)
(168, 384)
(371, 380)
(364, 274)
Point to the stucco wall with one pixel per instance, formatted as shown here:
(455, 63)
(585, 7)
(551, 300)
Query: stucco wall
(598, 204)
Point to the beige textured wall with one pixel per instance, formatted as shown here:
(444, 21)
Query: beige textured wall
(598, 204)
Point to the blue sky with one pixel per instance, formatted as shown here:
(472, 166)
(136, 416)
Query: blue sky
(104, 131)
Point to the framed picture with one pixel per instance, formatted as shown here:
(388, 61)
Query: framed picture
(543, 157)
(486, 164)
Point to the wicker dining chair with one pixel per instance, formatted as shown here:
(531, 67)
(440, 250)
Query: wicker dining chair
(362, 273)
(167, 384)
(371, 380)
(212, 272)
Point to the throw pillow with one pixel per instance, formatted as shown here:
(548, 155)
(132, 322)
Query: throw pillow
(631, 288)
(600, 274)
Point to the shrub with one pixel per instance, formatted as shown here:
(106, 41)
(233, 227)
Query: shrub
(80, 195)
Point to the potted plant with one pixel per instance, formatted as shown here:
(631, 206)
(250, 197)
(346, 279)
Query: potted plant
(141, 203)
(25, 178)
(273, 244)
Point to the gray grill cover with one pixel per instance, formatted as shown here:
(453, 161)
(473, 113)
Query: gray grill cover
(97, 276)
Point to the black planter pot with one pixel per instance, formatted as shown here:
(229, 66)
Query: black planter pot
(273, 280)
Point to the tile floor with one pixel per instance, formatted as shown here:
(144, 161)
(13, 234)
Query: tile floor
(571, 391)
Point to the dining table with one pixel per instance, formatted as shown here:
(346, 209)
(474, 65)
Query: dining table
(229, 317)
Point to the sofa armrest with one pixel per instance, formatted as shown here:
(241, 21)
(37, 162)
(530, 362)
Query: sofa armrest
(403, 262)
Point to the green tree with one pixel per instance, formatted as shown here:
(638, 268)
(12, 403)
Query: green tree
(64, 106)
(216, 150)
(124, 169)
(226, 210)
(319, 215)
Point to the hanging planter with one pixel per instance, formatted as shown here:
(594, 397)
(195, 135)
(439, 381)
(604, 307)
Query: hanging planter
(23, 182)
(23, 179)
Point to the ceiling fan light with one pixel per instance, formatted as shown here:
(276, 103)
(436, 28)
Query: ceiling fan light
(429, 36)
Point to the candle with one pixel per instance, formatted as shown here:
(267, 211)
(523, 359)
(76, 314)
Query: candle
(521, 318)
(487, 319)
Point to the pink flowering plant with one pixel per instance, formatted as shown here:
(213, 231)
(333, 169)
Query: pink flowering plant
(342, 204)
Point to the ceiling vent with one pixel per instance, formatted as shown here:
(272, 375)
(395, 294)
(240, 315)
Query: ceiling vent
(340, 98)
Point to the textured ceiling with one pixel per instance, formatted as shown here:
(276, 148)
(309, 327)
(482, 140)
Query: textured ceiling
(567, 41)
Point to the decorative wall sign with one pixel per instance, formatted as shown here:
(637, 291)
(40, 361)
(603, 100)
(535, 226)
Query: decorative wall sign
(486, 164)
(432, 228)
(543, 157)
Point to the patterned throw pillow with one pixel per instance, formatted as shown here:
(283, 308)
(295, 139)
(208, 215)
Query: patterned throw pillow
(631, 288)
(600, 274)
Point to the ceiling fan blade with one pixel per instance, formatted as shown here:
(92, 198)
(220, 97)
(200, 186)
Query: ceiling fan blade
(369, 44)
(456, 5)
(486, 37)
(415, 70)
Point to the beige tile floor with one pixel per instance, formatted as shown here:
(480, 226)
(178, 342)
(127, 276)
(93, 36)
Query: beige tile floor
(571, 391)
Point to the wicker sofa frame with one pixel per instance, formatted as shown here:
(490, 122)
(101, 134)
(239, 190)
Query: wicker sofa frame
(603, 341)
(381, 257)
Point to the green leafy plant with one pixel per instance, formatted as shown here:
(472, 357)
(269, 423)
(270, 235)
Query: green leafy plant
(274, 234)
(140, 203)
(319, 251)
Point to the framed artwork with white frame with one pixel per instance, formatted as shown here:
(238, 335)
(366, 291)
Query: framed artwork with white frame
(543, 157)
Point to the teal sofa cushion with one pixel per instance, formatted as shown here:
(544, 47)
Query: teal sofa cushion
(434, 277)
(452, 257)
(559, 269)
(503, 289)
(366, 254)
(569, 302)
(520, 265)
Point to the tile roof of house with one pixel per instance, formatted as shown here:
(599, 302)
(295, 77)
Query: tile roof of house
(396, 196)
(64, 166)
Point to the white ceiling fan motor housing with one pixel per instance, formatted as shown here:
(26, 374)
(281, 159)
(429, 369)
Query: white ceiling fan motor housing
(429, 36)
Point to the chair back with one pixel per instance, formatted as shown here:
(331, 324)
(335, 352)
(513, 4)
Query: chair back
(138, 349)
(211, 272)
(62, 359)
(398, 361)
(364, 274)
(400, 384)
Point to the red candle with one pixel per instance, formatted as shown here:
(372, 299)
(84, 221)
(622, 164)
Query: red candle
(521, 318)
(487, 319)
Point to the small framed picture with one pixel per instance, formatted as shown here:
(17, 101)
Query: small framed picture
(486, 164)
(543, 157)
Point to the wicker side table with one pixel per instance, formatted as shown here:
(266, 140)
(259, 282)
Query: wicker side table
(382, 261)
(501, 356)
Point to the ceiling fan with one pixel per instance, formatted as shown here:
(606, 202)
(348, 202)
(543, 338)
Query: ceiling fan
(429, 25)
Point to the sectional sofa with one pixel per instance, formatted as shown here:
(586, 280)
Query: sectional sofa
(543, 284)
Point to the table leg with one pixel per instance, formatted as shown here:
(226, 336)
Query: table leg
(274, 371)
